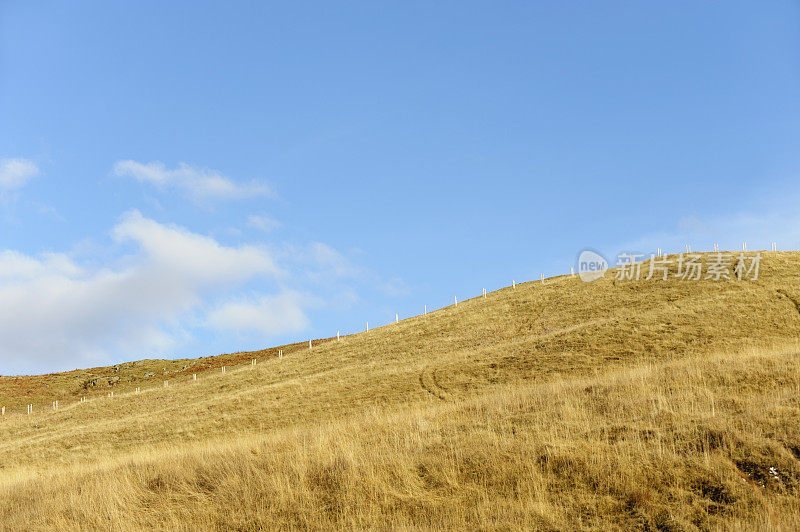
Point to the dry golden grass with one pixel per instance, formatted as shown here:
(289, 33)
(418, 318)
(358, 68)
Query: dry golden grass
(555, 405)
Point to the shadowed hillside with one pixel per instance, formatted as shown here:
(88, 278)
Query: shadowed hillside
(555, 404)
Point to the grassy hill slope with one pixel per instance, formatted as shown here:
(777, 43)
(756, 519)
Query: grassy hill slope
(562, 404)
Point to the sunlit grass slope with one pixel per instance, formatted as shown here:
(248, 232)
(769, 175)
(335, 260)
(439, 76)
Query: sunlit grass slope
(654, 404)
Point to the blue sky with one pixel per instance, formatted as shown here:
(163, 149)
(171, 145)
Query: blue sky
(190, 178)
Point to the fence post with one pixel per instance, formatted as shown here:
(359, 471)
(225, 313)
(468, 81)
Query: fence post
(396, 318)
(484, 293)
(456, 301)
(4, 410)
(426, 310)
(337, 336)
(541, 276)
(367, 326)
(572, 272)
(513, 284)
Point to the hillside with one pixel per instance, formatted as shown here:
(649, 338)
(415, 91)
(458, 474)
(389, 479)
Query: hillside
(557, 404)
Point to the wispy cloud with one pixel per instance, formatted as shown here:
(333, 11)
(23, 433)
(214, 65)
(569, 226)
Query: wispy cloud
(15, 173)
(758, 227)
(265, 315)
(262, 222)
(199, 184)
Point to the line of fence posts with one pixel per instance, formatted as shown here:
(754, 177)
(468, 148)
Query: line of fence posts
(659, 253)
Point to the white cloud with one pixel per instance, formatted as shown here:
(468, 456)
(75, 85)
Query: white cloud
(56, 313)
(197, 257)
(262, 222)
(199, 184)
(15, 173)
(268, 315)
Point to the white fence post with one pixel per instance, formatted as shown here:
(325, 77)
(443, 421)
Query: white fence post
(396, 318)
(456, 301)
(572, 272)
(367, 327)
(484, 293)
(426, 310)
(309, 346)
(513, 283)
(337, 336)
(541, 276)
